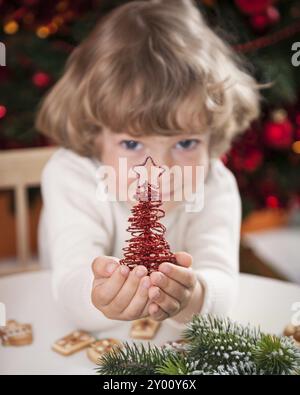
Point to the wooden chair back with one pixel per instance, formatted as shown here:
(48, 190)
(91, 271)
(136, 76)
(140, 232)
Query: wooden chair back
(19, 170)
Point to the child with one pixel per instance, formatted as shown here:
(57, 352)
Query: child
(151, 79)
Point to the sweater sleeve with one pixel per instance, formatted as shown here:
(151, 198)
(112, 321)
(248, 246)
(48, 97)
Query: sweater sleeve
(213, 239)
(76, 229)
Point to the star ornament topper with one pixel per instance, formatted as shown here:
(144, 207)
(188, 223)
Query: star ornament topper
(146, 171)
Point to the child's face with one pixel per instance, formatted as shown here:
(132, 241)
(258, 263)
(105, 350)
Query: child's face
(180, 150)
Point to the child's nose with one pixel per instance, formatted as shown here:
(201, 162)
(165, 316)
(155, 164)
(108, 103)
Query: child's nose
(162, 159)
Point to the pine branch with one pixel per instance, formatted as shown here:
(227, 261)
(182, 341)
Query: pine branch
(236, 369)
(176, 364)
(201, 324)
(214, 346)
(220, 343)
(274, 355)
(133, 360)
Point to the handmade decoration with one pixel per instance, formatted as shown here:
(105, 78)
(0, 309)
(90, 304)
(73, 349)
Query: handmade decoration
(16, 334)
(293, 332)
(144, 328)
(97, 349)
(147, 246)
(73, 342)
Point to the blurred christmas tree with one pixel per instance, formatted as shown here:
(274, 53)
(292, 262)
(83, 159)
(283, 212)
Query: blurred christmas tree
(39, 36)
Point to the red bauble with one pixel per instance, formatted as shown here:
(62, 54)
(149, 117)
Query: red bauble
(278, 132)
(3, 111)
(253, 160)
(259, 22)
(41, 79)
(273, 15)
(263, 20)
(246, 158)
(253, 7)
(272, 201)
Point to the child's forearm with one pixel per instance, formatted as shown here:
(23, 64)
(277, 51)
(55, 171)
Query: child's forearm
(193, 307)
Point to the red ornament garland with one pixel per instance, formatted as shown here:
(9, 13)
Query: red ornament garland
(147, 246)
(268, 40)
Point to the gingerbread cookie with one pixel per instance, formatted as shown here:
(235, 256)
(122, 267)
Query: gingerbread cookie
(16, 334)
(100, 347)
(73, 342)
(294, 332)
(144, 328)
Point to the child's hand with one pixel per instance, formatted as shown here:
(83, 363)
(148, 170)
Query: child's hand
(120, 294)
(173, 287)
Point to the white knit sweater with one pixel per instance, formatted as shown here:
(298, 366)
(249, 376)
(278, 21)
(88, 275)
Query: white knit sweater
(75, 228)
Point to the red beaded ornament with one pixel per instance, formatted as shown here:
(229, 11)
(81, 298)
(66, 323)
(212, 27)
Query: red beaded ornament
(147, 245)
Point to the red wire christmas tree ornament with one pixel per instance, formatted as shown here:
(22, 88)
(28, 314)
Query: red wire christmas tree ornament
(147, 245)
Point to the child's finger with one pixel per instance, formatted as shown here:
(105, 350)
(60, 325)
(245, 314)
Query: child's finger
(156, 313)
(169, 286)
(103, 294)
(145, 312)
(183, 258)
(164, 301)
(104, 266)
(139, 301)
(183, 275)
(129, 289)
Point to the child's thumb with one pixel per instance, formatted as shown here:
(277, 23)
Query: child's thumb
(183, 258)
(104, 266)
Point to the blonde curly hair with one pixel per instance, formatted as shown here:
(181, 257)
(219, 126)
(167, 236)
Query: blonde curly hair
(150, 67)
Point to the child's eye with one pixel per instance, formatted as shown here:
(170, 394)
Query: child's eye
(187, 144)
(131, 145)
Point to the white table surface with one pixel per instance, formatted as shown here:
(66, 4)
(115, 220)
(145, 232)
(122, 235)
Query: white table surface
(28, 299)
(279, 248)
